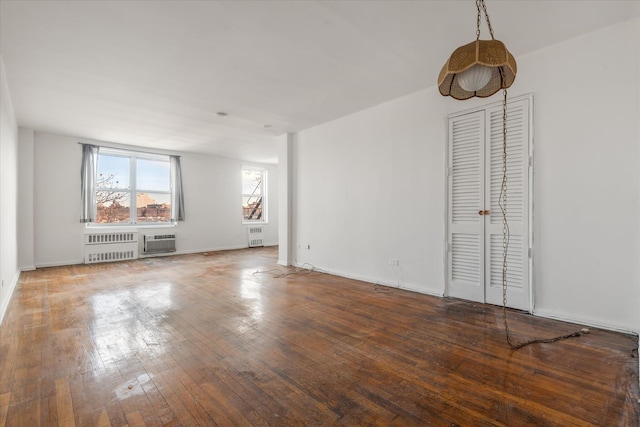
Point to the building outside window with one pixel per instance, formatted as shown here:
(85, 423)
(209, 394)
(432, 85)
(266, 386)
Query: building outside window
(254, 197)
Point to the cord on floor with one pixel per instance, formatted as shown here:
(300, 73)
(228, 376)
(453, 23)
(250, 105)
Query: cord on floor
(305, 268)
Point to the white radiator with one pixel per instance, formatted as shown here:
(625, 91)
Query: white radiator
(106, 247)
(255, 236)
(159, 243)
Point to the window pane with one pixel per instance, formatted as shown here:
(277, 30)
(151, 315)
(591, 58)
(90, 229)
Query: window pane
(251, 182)
(253, 195)
(153, 175)
(153, 207)
(252, 208)
(113, 172)
(112, 207)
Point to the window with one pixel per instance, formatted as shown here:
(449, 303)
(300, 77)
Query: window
(132, 188)
(254, 197)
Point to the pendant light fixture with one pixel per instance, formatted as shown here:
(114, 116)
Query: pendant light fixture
(480, 69)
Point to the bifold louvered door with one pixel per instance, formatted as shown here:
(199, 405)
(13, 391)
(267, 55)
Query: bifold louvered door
(466, 198)
(474, 229)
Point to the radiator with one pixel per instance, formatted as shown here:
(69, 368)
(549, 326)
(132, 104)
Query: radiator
(255, 236)
(106, 247)
(159, 243)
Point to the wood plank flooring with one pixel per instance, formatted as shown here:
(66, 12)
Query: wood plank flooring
(205, 340)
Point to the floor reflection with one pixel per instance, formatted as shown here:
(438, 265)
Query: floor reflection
(122, 330)
(250, 292)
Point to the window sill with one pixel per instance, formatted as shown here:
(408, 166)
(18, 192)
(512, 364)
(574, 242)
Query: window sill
(128, 226)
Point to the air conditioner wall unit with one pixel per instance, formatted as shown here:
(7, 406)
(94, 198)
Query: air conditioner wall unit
(159, 243)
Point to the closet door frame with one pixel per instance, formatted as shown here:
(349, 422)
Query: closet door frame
(526, 301)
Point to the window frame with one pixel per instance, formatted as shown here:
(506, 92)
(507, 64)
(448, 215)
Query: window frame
(265, 197)
(132, 190)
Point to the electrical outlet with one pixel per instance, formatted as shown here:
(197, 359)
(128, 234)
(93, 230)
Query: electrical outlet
(394, 261)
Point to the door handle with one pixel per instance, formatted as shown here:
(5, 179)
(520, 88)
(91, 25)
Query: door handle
(484, 212)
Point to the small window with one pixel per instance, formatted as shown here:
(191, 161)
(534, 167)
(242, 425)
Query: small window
(254, 197)
(132, 188)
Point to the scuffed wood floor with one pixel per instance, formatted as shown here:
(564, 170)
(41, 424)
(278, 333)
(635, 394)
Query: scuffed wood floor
(204, 340)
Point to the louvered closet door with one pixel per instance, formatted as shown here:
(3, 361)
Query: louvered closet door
(466, 197)
(517, 206)
(474, 229)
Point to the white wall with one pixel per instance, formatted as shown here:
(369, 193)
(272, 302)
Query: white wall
(9, 272)
(25, 201)
(285, 184)
(212, 191)
(587, 180)
(370, 186)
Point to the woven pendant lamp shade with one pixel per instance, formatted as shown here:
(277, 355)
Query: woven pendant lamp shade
(489, 53)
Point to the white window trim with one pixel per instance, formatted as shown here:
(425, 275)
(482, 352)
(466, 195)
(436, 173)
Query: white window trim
(133, 155)
(265, 196)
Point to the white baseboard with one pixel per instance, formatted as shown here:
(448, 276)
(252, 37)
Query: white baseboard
(580, 320)
(9, 295)
(404, 286)
(140, 256)
(440, 293)
(199, 251)
(59, 264)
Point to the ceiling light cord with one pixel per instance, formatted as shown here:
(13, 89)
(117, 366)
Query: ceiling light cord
(502, 203)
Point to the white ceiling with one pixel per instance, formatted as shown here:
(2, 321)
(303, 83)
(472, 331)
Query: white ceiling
(155, 73)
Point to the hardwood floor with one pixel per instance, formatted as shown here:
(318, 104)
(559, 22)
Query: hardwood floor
(204, 340)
